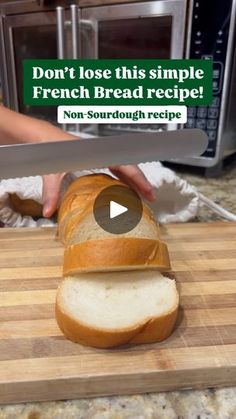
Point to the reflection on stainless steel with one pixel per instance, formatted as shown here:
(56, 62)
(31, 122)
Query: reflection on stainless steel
(149, 30)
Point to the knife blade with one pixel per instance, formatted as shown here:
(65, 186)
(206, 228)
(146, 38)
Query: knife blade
(20, 160)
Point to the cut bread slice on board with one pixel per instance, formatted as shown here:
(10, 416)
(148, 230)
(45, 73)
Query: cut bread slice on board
(110, 309)
(119, 254)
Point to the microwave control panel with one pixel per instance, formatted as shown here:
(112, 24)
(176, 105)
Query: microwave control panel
(209, 40)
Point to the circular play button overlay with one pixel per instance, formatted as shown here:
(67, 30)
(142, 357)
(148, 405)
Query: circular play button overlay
(118, 209)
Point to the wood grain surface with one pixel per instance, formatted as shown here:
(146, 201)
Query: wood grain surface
(38, 363)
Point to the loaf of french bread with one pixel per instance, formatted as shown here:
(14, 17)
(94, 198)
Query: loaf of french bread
(113, 291)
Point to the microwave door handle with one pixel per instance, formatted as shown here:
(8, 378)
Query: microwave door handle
(89, 26)
(74, 39)
(13, 71)
(74, 31)
(76, 24)
(60, 12)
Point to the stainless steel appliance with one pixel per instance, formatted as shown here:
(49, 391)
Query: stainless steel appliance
(28, 29)
(148, 29)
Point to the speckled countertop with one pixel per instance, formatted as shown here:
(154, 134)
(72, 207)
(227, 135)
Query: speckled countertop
(222, 190)
(205, 404)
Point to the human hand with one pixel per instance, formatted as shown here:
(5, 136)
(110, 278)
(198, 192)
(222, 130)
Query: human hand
(135, 178)
(51, 193)
(131, 175)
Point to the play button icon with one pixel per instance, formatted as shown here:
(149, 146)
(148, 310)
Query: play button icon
(118, 209)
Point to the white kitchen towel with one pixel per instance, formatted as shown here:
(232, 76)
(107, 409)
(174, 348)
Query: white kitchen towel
(176, 200)
(26, 188)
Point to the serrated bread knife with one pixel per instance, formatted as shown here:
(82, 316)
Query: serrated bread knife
(72, 155)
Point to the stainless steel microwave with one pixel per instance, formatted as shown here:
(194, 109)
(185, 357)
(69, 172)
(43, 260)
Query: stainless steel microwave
(128, 29)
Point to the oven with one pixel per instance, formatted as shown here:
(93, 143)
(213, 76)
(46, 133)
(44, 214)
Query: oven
(159, 29)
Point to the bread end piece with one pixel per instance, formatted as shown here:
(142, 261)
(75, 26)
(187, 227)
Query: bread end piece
(26, 207)
(137, 322)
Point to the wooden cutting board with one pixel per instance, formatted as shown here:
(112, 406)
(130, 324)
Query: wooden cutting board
(38, 363)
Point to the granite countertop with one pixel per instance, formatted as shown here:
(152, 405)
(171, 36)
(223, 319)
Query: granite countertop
(205, 404)
(202, 404)
(221, 190)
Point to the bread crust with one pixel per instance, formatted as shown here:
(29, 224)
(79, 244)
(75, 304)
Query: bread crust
(95, 179)
(85, 185)
(154, 329)
(124, 254)
(27, 207)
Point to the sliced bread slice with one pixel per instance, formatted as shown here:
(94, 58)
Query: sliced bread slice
(110, 309)
(89, 229)
(116, 254)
